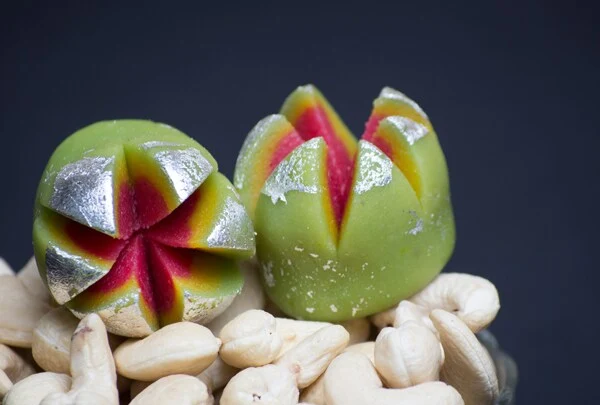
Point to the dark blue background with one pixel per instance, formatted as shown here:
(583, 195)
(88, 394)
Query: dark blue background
(511, 88)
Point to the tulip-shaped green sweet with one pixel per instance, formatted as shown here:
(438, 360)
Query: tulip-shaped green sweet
(346, 229)
(134, 222)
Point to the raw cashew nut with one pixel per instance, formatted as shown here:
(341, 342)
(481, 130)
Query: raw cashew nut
(471, 298)
(267, 385)
(250, 339)
(92, 368)
(20, 311)
(251, 297)
(299, 367)
(310, 358)
(30, 278)
(468, 366)
(292, 332)
(33, 389)
(409, 311)
(177, 389)
(359, 329)
(383, 319)
(5, 269)
(178, 348)
(12, 369)
(351, 379)
(366, 348)
(51, 343)
(408, 355)
(217, 375)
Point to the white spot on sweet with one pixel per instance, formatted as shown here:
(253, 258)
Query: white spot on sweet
(411, 130)
(268, 274)
(354, 311)
(298, 249)
(310, 294)
(294, 289)
(374, 168)
(289, 174)
(289, 261)
(393, 94)
(418, 227)
(313, 255)
(310, 310)
(333, 308)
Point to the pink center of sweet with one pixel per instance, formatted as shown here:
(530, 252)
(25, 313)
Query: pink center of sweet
(153, 249)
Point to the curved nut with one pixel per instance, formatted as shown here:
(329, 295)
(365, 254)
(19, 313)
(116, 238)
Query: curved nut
(310, 358)
(292, 331)
(468, 367)
(5, 269)
(250, 339)
(12, 369)
(315, 393)
(251, 297)
(51, 342)
(351, 379)
(473, 299)
(33, 389)
(30, 278)
(359, 329)
(267, 385)
(177, 389)
(409, 311)
(92, 368)
(217, 375)
(366, 348)
(408, 355)
(20, 312)
(178, 348)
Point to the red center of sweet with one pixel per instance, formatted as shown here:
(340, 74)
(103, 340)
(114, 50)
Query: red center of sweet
(313, 123)
(153, 247)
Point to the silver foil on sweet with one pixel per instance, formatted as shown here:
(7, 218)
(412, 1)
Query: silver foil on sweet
(204, 309)
(233, 229)
(186, 169)
(393, 94)
(373, 168)
(68, 274)
(83, 191)
(159, 144)
(411, 130)
(250, 146)
(289, 174)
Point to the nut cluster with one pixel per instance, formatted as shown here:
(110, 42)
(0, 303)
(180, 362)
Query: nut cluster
(425, 351)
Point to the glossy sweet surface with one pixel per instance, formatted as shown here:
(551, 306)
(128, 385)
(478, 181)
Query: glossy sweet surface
(133, 221)
(346, 228)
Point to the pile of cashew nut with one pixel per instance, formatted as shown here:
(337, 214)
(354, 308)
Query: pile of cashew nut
(425, 352)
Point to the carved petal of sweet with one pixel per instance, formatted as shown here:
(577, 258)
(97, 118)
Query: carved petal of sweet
(312, 116)
(296, 229)
(71, 256)
(267, 144)
(211, 219)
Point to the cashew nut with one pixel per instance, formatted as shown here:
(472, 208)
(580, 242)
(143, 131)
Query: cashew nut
(292, 332)
(92, 368)
(20, 311)
(33, 389)
(351, 379)
(473, 299)
(359, 329)
(251, 297)
(179, 348)
(217, 375)
(267, 385)
(12, 369)
(299, 367)
(51, 343)
(409, 311)
(5, 269)
(468, 366)
(366, 348)
(177, 389)
(309, 359)
(30, 278)
(250, 339)
(408, 355)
